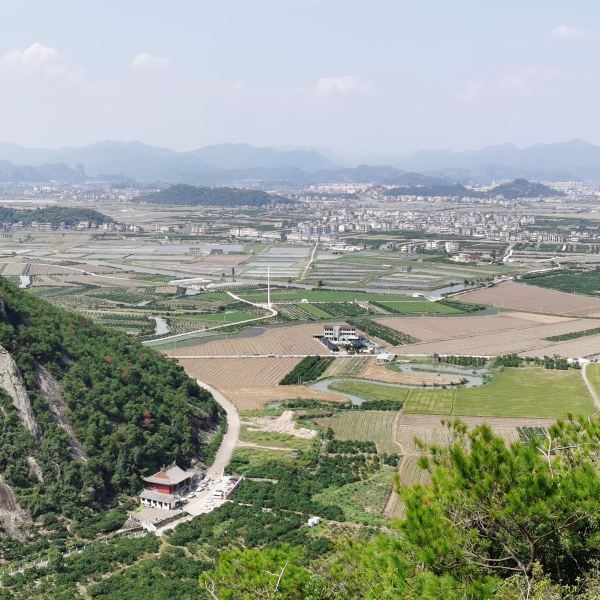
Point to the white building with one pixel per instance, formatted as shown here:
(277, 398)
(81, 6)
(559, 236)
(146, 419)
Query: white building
(339, 333)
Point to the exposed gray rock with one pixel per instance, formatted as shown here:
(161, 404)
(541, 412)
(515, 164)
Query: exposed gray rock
(52, 391)
(12, 383)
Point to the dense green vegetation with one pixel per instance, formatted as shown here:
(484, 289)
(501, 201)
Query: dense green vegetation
(211, 196)
(65, 572)
(579, 281)
(309, 368)
(130, 410)
(383, 332)
(573, 335)
(53, 214)
(461, 306)
(464, 361)
(421, 306)
(519, 188)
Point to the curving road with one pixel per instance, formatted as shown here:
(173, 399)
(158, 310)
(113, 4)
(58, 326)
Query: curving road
(230, 439)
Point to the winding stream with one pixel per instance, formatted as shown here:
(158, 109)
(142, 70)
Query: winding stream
(472, 380)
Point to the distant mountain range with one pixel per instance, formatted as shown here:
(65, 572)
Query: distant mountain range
(242, 163)
(575, 159)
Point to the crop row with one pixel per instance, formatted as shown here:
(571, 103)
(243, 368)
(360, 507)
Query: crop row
(308, 369)
(383, 332)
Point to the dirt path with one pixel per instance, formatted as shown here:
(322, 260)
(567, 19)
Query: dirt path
(590, 387)
(310, 262)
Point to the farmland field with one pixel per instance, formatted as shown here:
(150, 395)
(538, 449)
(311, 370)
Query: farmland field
(593, 373)
(520, 296)
(415, 306)
(257, 398)
(351, 366)
(505, 333)
(512, 392)
(410, 474)
(436, 402)
(243, 372)
(367, 426)
(397, 432)
(400, 304)
(293, 339)
(527, 392)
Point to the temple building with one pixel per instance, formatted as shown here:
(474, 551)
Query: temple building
(165, 488)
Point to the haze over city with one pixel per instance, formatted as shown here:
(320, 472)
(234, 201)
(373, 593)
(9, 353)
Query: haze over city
(299, 300)
(365, 81)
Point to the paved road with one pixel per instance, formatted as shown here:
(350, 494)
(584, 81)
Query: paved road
(231, 436)
(196, 506)
(590, 387)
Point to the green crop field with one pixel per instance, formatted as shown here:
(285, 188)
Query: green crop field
(371, 391)
(512, 392)
(526, 392)
(433, 402)
(222, 317)
(593, 373)
(366, 426)
(416, 306)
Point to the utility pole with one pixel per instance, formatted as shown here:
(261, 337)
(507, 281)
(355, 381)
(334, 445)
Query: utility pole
(269, 286)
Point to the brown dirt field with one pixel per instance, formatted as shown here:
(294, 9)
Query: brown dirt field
(257, 398)
(520, 296)
(536, 317)
(243, 372)
(525, 336)
(295, 339)
(381, 373)
(429, 329)
(429, 429)
(580, 347)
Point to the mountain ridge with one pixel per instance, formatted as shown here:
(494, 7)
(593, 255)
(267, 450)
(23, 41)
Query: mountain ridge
(238, 163)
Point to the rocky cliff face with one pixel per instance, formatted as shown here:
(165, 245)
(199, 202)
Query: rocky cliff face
(52, 392)
(12, 383)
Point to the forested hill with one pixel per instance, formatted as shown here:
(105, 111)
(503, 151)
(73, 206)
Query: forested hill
(53, 214)
(212, 196)
(521, 188)
(84, 411)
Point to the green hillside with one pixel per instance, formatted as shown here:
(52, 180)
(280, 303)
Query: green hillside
(52, 214)
(192, 195)
(102, 410)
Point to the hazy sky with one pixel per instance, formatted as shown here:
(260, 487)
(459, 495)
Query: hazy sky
(362, 77)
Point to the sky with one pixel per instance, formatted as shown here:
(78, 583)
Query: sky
(364, 78)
